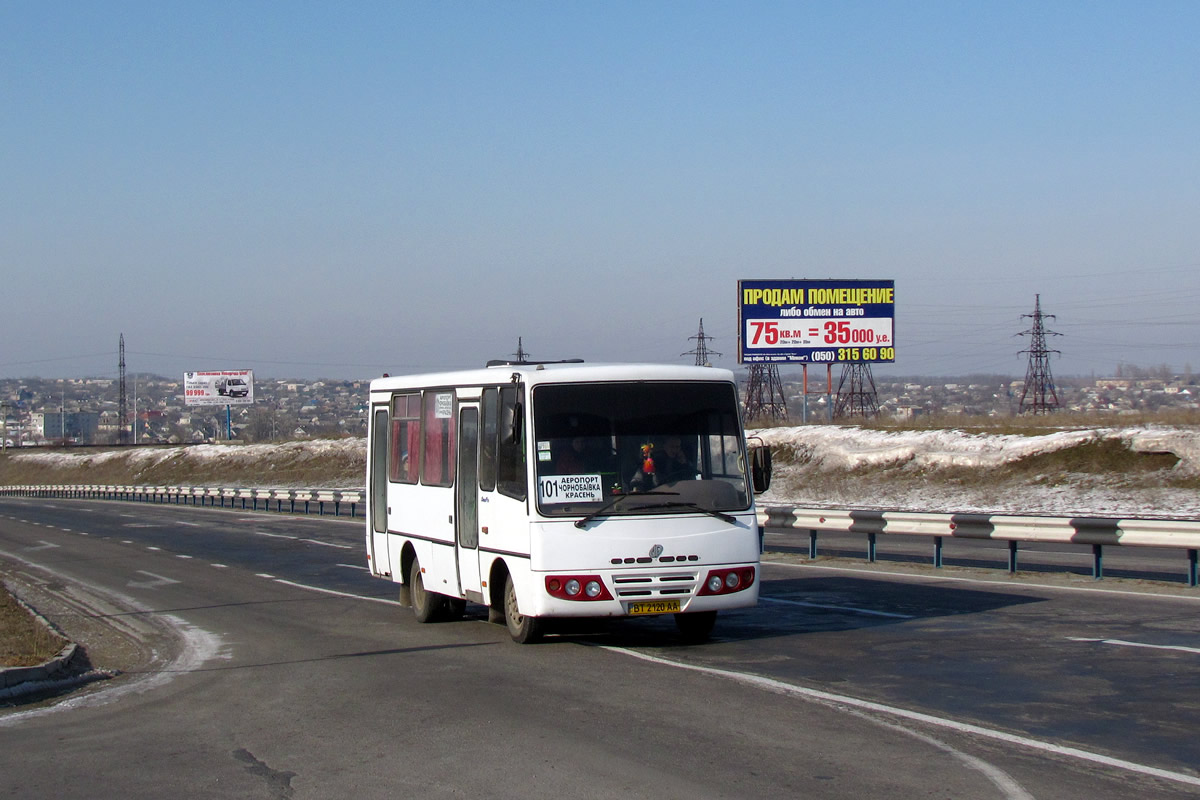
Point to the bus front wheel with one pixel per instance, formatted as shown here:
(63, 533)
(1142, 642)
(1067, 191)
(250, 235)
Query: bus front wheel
(522, 629)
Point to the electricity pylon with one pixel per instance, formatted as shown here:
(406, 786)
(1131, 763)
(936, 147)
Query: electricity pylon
(701, 352)
(764, 394)
(1038, 395)
(856, 394)
(122, 411)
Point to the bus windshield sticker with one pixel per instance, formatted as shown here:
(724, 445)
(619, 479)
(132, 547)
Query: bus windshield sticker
(570, 489)
(445, 405)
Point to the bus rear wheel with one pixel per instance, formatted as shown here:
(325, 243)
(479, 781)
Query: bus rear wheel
(696, 627)
(426, 605)
(522, 629)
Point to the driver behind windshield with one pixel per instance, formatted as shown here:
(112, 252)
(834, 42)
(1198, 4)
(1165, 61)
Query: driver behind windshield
(667, 464)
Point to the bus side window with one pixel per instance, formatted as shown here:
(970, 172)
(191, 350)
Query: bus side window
(437, 455)
(404, 463)
(510, 451)
(487, 440)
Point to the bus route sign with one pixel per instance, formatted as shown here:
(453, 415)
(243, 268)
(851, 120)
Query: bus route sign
(816, 321)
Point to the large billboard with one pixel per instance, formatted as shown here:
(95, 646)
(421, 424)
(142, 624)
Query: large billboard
(230, 387)
(816, 322)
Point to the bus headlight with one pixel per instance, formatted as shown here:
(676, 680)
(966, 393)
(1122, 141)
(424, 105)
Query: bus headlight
(577, 587)
(727, 581)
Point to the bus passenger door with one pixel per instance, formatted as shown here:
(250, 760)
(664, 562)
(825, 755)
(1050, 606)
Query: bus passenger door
(466, 516)
(378, 488)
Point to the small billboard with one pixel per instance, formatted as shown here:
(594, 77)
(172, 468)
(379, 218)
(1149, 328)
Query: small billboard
(229, 387)
(816, 321)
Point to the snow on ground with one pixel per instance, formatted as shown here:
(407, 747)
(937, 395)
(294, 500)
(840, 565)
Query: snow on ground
(946, 471)
(835, 446)
(199, 453)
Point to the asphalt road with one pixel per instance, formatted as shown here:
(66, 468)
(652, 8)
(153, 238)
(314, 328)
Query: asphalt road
(269, 664)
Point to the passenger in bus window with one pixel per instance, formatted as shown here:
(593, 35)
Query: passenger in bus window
(581, 455)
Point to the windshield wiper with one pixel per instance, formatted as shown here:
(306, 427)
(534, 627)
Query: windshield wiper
(584, 520)
(682, 504)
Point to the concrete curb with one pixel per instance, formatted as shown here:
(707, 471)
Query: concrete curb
(11, 677)
(18, 681)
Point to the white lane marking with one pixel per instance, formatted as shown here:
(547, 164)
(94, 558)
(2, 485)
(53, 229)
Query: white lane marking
(328, 544)
(264, 575)
(44, 546)
(1002, 780)
(180, 555)
(339, 594)
(848, 609)
(219, 566)
(780, 687)
(159, 580)
(189, 524)
(354, 566)
(1191, 598)
(152, 547)
(1123, 643)
(274, 535)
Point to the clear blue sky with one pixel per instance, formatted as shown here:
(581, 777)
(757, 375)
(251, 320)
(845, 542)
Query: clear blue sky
(338, 190)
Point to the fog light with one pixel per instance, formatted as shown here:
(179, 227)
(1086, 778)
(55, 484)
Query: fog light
(592, 588)
(715, 583)
(732, 580)
(572, 587)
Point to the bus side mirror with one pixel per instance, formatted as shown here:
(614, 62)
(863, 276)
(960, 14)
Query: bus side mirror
(760, 467)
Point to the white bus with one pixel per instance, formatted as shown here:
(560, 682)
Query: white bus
(562, 489)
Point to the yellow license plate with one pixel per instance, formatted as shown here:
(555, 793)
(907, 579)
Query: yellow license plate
(655, 607)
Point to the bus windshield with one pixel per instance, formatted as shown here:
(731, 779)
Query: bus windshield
(663, 446)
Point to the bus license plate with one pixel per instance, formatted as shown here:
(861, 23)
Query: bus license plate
(655, 607)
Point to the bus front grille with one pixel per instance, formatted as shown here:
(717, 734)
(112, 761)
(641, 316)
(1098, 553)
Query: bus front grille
(655, 584)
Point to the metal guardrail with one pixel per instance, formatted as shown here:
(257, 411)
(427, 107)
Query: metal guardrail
(1098, 532)
(292, 501)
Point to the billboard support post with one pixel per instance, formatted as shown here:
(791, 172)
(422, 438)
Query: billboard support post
(228, 422)
(829, 389)
(804, 394)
